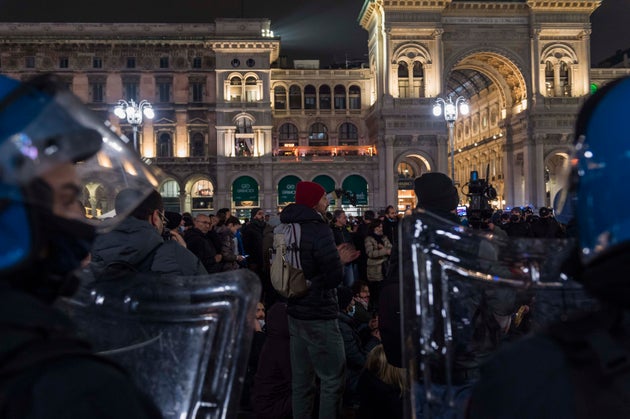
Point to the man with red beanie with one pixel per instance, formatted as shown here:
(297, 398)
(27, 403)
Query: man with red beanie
(317, 347)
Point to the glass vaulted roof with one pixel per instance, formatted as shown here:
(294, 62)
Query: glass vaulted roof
(466, 83)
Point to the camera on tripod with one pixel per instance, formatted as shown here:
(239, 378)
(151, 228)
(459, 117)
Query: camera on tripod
(479, 193)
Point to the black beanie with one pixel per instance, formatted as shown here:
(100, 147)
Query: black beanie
(435, 191)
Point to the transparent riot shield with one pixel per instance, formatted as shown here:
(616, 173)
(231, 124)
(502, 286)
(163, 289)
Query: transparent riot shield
(184, 340)
(464, 293)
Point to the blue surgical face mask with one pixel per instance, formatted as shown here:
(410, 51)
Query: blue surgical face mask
(352, 310)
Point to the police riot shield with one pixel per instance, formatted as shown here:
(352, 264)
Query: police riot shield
(184, 340)
(464, 293)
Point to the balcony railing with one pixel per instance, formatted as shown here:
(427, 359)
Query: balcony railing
(325, 153)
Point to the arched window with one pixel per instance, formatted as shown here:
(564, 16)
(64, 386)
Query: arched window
(244, 126)
(295, 97)
(251, 89)
(165, 145)
(280, 97)
(340, 97)
(236, 89)
(288, 135)
(170, 195)
(403, 79)
(197, 145)
(170, 189)
(310, 99)
(549, 79)
(318, 135)
(355, 97)
(418, 79)
(324, 97)
(348, 134)
(565, 82)
(244, 141)
(202, 195)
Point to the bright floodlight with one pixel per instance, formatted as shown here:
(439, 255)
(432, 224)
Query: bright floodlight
(148, 112)
(464, 109)
(120, 112)
(437, 110)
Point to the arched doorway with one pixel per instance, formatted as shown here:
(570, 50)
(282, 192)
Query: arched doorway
(170, 195)
(409, 167)
(556, 167)
(202, 195)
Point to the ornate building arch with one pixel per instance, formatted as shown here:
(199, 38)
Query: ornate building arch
(419, 159)
(500, 66)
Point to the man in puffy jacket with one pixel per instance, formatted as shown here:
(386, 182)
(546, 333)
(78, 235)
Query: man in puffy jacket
(316, 344)
(138, 241)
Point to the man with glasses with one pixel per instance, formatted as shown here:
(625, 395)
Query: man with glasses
(137, 242)
(198, 243)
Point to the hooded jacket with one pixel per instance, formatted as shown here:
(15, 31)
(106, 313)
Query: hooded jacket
(134, 240)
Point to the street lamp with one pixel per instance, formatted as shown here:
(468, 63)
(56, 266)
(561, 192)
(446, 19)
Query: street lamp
(132, 112)
(451, 109)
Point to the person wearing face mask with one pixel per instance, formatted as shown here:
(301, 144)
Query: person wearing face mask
(356, 351)
(51, 147)
(518, 227)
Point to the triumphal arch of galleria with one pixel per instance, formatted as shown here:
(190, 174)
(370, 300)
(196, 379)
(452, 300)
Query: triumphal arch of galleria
(523, 66)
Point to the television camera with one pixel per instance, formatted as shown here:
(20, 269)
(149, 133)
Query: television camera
(479, 193)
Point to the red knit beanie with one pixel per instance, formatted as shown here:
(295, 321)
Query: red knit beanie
(308, 193)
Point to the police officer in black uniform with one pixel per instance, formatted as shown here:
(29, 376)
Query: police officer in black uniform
(51, 146)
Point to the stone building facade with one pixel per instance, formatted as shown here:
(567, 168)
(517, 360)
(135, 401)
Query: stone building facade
(233, 129)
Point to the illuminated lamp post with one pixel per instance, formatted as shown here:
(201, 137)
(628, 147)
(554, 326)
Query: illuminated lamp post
(450, 109)
(133, 112)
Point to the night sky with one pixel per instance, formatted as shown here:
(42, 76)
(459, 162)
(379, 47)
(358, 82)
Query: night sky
(324, 29)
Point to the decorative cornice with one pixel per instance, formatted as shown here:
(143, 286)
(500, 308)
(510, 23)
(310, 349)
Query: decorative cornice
(425, 5)
(564, 5)
(486, 6)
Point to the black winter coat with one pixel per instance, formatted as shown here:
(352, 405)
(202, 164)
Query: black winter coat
(320, 262)
(133, 240)
(202, 247)
(356, 354)
(252, 235)
(73, 384)
(272, 384)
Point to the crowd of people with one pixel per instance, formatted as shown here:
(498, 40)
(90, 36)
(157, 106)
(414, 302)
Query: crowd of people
(333, 352)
